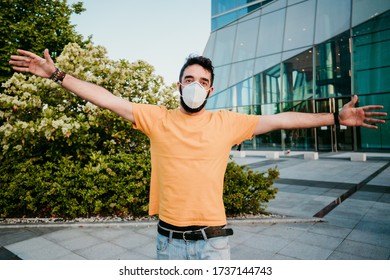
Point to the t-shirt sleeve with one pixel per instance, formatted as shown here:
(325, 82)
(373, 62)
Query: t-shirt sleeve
(146, 115)
(242, 126)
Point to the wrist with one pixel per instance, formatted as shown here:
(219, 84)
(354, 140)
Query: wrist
(58, 76)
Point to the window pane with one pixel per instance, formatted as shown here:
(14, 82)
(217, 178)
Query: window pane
(271, 85)
(298, 77)
(291, 2)
(271, 33)
(224, 44)
(246, 40)
(241, 71)
(220, 81)
(298, 139)
(299, 25)
(266, 62)
(333, 65)
(375, 138)
(220, 100)
(274, 6)
(209, 49)
(371, 45)
(333, 17)
(242, 93)
(290, 54)
(363, 10)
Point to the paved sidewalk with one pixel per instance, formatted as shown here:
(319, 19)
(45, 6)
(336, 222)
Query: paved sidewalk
(351, 201)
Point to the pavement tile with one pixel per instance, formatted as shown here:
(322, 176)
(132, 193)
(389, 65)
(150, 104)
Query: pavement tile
(64, 234)
(132, 240)
(37, 248)
(244, 252)
(344, 256)
(131, 255)
(266, 243)
(289, 232)
(322, 241)
(325, 228)
(102, 251)
(82, 241)
(148, 250)
(108, 233)
(304, 251)
(381, 239)
(364, 250)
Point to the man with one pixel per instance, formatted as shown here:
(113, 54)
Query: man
(190, 149)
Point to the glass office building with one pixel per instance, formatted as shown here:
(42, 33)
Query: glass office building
(305, 56)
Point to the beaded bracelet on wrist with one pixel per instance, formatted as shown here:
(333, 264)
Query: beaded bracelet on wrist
(58, 76)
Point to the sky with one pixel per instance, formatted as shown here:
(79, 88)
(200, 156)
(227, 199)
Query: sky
(161, 32)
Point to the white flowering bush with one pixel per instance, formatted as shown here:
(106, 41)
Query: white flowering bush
(63, 156)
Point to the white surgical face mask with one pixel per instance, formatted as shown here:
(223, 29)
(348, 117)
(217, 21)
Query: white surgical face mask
(194, 95)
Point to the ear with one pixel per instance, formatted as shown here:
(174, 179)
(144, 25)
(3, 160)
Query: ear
(211, 91)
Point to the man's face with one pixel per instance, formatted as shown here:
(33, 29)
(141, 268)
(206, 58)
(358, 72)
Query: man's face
(194, 100)
(196, 73)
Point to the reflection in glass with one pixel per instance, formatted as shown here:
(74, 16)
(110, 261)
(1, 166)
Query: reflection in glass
(371, 55)
(240, 71)
(242, 93)
(333, 65)
(298, 77)
(375, 138)
(298, 139)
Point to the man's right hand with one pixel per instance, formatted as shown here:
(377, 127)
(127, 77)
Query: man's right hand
(32, 63)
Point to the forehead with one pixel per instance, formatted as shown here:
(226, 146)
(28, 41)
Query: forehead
(197, 72)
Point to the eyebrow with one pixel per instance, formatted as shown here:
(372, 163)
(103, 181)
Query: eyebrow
(192, 77)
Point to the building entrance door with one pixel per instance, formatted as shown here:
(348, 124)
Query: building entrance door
(330, 138)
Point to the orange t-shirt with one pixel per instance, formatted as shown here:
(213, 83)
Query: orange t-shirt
(189, 158)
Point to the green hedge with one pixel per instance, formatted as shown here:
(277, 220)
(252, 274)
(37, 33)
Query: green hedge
(247, 191)
(110, 185)
(107, 185)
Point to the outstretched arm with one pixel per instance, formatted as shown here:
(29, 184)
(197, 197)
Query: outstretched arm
(44, 67)
(348, 116)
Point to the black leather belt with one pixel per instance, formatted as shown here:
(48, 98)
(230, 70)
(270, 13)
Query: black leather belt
(193, 235)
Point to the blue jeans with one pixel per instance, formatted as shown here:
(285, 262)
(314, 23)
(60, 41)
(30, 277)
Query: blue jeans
(216, 248)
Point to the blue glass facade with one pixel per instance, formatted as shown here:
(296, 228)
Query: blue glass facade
(308, 56)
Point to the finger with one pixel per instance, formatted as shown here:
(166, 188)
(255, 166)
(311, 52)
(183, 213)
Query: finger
(371, 120)
(47, 56)
(352, 103)
(28, 54)
(372, 107)
(18, 57)
(370, 114)
(20, 69)
(19, 63)
(368, 125)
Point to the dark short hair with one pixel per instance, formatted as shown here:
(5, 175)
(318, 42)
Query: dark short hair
(200, 60)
